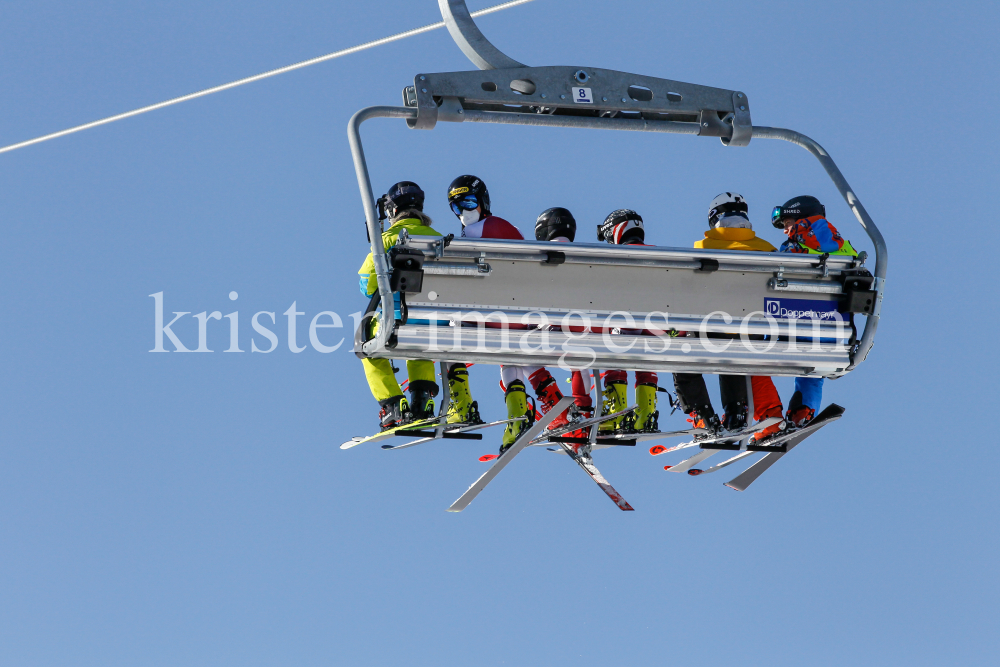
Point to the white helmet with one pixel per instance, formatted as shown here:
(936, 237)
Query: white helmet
(728, 204)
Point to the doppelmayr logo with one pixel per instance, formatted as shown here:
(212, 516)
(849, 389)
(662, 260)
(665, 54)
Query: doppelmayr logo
(775, 308)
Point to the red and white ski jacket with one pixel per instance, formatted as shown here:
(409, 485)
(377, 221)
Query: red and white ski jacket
(492, 227)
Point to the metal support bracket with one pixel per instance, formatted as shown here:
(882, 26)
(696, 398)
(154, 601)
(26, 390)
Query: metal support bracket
(470, 39)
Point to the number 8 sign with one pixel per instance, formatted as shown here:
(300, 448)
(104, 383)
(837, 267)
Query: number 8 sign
(582, 96)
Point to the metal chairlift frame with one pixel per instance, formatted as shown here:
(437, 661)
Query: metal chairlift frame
(464, 281)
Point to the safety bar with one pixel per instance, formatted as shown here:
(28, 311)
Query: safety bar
(653, 323)
(682, 258)
(653, 353)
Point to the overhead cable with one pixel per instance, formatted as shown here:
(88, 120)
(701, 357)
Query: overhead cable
(257, 77)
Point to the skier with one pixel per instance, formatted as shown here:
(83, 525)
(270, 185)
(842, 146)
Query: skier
(803, 220)
(470, 202)
(554, 224)
(403, 205)
(729, 228)
(624, 227)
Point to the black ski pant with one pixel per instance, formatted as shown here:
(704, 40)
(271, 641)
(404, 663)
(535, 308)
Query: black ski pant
(693, 394)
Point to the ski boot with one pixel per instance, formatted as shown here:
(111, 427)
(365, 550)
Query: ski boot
(580, 413)
(516, 399)
(461, 409)
(615, 400)
(799, 414)
(548, 395)
(774, 429)
(422, 393)
(395, 412)
(798, 417)
(646, 416)
(710, 422)
(735, 419)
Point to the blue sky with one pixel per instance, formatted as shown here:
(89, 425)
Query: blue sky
(162, 509)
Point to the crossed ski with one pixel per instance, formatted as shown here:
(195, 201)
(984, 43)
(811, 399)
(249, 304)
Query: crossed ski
(579, 449)
(774, 447)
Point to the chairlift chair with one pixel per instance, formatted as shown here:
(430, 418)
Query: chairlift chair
(450, 286)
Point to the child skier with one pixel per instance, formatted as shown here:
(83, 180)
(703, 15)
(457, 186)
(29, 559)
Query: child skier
(624, 227)
(729, 228)
(804, 221)
(403, 204)
(554, 224)
(469, 200)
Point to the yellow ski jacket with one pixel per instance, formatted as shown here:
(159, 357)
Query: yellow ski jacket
(733, 238)
(414, 226)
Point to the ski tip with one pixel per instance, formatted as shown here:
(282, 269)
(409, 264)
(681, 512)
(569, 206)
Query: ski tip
(349, 444)
(694, 472)
(667, 467)
(657, 449)
(488, 457)
(734, 488)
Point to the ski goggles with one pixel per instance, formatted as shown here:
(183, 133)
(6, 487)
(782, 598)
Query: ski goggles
(467, 203)
(777, 216)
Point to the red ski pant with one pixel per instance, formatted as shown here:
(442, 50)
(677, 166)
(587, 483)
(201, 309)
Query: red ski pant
(621, 377)
(766, 402)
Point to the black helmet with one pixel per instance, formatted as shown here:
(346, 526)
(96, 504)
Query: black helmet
(400, 197)
(468, 192)
(555, 222)
(622, 227)
(797, 208)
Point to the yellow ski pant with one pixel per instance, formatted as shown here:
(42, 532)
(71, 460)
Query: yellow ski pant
(382, 381)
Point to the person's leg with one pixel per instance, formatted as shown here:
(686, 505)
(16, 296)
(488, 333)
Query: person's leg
(734, 401)
(461, 407)
(381, 380)
(394, 408)
(615, 398)
(547, 391)
(806, 400)
(766, 403)
(582, 382)
(645, 396)
(693, 397)
(510, 373)
(423, 387)
(516, 399)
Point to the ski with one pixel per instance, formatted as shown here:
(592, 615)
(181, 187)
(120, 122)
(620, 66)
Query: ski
(690, 462)
(720, 466)
(508, 456)
(831, 413)
(706, 451)
(390, 432)
(576, 426)
(600, 443)
(585, 461)
(452, 430)
(640, 436)
(656, 450)
(555, 435)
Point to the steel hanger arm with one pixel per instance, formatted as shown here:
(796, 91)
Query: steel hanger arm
(470, 39)
(371, 217)
(881, 252)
